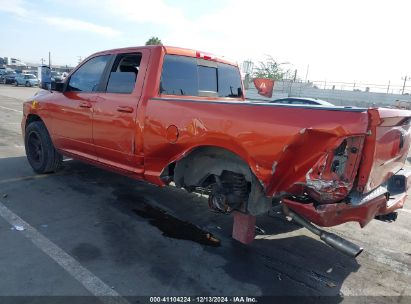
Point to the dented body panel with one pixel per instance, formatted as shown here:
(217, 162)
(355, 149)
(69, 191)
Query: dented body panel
(263, 135)
(322, 162)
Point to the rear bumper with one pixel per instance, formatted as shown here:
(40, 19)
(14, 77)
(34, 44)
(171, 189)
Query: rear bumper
(363, 212)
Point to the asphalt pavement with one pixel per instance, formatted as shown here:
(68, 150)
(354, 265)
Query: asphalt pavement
(88, 232)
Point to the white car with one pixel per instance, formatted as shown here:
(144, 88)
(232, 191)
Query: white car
(27, 80)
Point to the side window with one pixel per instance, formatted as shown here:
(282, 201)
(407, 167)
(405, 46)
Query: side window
(88, 76)
(123, 74)
(179, 76)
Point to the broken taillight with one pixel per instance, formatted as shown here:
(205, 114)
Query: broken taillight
(332, 178)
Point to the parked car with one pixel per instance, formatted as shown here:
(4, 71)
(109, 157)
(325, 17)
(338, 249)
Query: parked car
(182, 119)
(8, 78)
(27, 80)
(56, 76)
(302, 100)
(33, 72)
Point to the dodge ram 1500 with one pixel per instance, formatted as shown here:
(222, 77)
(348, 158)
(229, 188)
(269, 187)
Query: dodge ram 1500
(171, 115)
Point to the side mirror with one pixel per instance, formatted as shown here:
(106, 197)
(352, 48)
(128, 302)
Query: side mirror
(57, 86)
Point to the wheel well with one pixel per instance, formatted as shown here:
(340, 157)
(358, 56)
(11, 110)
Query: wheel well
(205, 165)
(200, 163)
(31, 118)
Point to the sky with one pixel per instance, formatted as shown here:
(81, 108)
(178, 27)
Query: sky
(351, 40)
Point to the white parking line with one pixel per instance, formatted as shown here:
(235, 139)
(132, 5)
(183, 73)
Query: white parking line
(14, 110)
(67, 262)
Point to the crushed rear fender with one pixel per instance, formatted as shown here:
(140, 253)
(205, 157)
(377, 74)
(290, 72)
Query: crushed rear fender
(319, 163)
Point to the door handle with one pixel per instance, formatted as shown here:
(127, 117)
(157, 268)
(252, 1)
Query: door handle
(85, 104)
(125, 109)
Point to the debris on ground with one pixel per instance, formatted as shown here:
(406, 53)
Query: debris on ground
(259, 230)
(330, 270)
(18, 228)
(44, 226)
(279, 277)
(331, 284)
(5, 195)
(211, 238)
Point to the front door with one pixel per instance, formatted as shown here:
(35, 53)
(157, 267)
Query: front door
(73, 113)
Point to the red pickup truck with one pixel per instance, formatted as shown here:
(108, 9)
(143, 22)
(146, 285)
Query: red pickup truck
(171, 115)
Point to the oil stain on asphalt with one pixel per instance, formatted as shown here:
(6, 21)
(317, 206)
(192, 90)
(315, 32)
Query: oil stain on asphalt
(176, 228)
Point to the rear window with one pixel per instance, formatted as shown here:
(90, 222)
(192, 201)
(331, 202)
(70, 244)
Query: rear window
(207, 79)
(187, 76)
(229, 81)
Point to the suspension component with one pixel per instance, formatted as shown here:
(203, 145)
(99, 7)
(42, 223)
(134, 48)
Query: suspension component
(229, 191)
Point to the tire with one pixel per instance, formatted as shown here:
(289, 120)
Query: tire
(28, 84)
(16, 83)
(41, 154)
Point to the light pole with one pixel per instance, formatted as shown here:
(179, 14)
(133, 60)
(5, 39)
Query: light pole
(248, 66)
(405, 81)
(306, 74)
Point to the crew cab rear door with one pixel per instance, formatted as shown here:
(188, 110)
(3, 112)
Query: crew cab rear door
(115, 125)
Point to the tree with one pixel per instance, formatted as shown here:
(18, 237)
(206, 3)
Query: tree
(154, 41)
(272, 69)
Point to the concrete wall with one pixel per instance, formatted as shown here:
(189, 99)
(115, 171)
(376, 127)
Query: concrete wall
(337, 97)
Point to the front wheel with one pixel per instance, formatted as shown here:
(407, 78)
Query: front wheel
(41, 154)
(28, 84)
(16, 83)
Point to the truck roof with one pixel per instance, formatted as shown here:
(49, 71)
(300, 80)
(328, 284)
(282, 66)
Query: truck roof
(174, 51)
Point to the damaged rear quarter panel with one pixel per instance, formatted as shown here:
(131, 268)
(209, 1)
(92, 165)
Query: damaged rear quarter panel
(279, 143)
(307, 163)
(333, 177)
